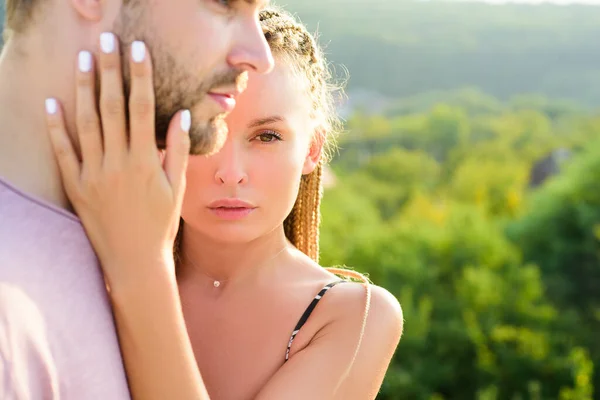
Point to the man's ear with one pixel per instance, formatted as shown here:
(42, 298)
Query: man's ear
(313, 156)
(90, 10)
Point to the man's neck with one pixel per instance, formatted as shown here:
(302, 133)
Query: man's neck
(26, 157)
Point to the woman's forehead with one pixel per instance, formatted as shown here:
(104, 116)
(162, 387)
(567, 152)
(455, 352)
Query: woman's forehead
(280, 92)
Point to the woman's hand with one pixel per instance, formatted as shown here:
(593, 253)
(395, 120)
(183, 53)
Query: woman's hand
(129, 201)
(127, 197)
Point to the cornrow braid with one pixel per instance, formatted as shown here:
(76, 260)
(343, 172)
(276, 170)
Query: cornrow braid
(291, 40)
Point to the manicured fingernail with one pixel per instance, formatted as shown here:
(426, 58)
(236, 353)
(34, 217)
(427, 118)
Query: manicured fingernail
(107, 42)
(51, 106)
(186, 120)
(138, 51)
(85, 61)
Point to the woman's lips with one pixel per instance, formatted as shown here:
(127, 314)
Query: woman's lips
(231, 209)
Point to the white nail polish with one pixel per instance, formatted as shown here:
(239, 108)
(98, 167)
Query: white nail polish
(138, 51)
(85, 61)
(51, 106)
(186, 120)
(107, 42)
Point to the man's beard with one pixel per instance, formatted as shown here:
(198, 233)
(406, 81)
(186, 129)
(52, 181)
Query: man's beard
(173, 92)
(175, 88)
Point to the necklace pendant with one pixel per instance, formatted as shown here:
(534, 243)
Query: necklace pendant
(217, 284)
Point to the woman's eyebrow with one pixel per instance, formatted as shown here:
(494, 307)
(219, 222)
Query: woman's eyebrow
(264, 121)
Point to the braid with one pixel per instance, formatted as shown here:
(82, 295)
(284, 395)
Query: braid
(315, 186)
(302, 225)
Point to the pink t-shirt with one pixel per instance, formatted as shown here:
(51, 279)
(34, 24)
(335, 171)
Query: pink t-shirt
(57, 333)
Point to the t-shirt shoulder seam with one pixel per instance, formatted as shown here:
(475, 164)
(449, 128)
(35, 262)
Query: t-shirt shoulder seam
(63, 213)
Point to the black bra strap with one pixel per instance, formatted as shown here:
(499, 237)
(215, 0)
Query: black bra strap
(307, 313)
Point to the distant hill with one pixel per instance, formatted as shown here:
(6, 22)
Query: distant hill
(402, 48)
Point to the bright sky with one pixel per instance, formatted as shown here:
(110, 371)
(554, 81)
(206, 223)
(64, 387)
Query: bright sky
(563, 2)
(560, 2)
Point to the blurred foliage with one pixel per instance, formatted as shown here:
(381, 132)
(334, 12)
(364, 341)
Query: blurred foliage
(499, 279)
(454, 108)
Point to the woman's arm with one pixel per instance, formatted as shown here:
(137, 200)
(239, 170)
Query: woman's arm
(339, 364)
(156, 348)
(129, 202)
(158, 355)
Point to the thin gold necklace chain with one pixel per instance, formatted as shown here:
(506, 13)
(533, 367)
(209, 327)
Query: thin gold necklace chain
(216, 282)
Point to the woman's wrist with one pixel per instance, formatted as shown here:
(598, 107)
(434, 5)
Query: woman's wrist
(153, 274)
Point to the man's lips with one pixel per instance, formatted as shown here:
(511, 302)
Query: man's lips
(225, 100)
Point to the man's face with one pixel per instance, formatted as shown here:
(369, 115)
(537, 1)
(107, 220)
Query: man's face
(201, 50)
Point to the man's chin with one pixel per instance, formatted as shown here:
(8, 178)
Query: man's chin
(208, 139)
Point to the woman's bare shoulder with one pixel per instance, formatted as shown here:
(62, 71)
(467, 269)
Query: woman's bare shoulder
(355, 328)
(351, 298)
(380, 307)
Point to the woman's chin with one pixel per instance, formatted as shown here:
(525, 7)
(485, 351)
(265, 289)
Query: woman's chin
(233, 234)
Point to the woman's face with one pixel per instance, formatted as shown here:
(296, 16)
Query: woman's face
(249, 187)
